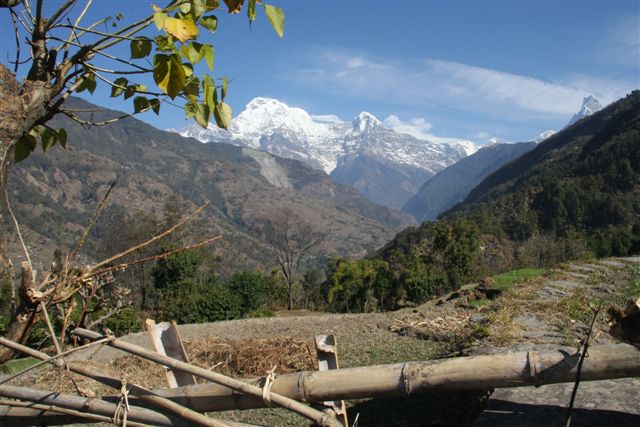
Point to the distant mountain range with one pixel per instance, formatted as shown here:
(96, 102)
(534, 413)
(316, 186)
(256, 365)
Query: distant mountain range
(388, 167)
(55, 194)
(452, 185)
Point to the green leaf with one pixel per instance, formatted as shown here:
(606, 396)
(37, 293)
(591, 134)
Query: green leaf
(118, 86)
(168, 74)
(276, 17)
(140, 103)
(192, 88)
(48, 139)
(188, 69)
(198, 8)
(212, 4)
(91, 83)
(192, 52)
(209, 22)
(225, 83)
(223, 114)
(25, 145)
(203, 114)
(62, 137)
(190, 109)
(140, 47)
(155, 105)
(88, 83)
(159, 18)
(164, 43)
(208, 55)
(185, 7)
(210, 92)
(251, 11)
(130, 91)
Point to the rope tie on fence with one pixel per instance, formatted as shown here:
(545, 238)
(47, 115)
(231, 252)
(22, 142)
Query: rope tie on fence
(266, 388)
(123, 405)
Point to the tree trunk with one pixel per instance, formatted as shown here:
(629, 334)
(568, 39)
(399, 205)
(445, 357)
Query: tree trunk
(21, 108)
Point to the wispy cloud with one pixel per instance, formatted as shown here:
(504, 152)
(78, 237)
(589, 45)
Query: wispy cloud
(462, 86)
(419, 127)
(621, 43)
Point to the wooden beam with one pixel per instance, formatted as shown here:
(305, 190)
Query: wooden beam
(327, 353)
(166, 341)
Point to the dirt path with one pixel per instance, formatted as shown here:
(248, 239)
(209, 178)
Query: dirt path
(598, 403)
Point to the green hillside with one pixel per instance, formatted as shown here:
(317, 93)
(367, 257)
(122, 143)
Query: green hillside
(582, 183)
(577, 194)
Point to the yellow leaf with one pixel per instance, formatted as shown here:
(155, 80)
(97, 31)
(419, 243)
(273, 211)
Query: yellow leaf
(182, 29)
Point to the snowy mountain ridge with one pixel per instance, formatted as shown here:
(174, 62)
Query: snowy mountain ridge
(325, 141)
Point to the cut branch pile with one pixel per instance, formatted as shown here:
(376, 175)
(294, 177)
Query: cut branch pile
(252, 358)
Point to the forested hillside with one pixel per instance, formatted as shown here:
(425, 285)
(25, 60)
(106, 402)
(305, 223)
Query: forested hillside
(582, 183)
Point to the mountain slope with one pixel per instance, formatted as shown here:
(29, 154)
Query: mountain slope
(583, 182)
(451, 185)
(54, 194)
(344, 149)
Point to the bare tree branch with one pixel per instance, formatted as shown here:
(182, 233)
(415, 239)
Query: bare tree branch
(153, 239)
(16, 30)
(54, 17)
(92, 222)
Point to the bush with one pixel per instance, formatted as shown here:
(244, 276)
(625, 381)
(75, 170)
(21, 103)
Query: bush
(125, 322)
(253, 288)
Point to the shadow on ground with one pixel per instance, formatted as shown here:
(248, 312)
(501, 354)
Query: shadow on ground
(501, 413)
(446, 409)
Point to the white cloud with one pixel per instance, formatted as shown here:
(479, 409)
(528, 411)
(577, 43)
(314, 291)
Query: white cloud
(465, 87)
(416, 127)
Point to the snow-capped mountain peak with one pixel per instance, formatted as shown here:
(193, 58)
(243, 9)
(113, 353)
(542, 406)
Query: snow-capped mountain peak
(544, 135)
(365, 120)
(590, 105)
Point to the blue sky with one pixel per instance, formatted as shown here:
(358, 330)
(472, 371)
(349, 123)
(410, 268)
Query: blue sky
(470, 69)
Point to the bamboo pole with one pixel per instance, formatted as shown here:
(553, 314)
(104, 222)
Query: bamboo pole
(139, 391)
(23, 414)
(312, 414)
(15, 413)
(414, 378)
(90, 405)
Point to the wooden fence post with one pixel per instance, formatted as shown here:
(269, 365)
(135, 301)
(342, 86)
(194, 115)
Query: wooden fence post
(166, 341)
